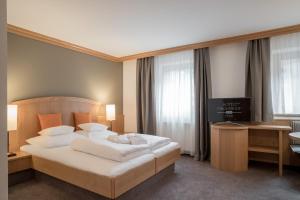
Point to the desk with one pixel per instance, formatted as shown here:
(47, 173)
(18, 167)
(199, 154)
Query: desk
(232, 144)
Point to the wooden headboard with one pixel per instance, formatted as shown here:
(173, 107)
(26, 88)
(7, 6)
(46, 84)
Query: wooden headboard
(28, 110)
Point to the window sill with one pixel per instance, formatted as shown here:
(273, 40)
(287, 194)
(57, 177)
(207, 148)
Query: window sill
(287, 117)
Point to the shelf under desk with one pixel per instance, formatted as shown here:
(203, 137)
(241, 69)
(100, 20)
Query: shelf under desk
(269, 134)
(263, 149)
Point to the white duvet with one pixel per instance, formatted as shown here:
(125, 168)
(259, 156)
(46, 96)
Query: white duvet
(122, 152)
(154, 142)
(105, 149)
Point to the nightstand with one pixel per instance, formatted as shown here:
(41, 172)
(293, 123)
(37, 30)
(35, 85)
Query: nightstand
(20, 162)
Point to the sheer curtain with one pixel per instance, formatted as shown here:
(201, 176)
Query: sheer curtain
(174, 98)
(285, 74)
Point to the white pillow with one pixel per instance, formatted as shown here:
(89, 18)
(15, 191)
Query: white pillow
(96, 135)
(92, 127)
(53, 141)
(57, 130)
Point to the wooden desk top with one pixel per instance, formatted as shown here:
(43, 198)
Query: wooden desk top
(253, 127)
(270, 127)
(229, 126)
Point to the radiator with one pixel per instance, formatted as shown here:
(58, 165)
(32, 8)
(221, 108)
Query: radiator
(296, 126)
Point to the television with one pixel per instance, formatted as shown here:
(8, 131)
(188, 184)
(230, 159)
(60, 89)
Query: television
(229, 110)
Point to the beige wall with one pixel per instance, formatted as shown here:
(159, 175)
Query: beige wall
(37, 69)
(129, 96)
(227, 73)
(3, 147)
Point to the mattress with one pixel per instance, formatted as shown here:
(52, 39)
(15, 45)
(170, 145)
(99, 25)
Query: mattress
(165, 149)
(82, 161)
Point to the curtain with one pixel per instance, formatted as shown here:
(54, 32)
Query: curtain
(285, 74)
(145, 96)
(202, 78)
(258, 79)
(174, 98)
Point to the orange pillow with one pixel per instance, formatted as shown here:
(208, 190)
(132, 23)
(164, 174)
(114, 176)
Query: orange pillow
(81, 118)
(50, 120)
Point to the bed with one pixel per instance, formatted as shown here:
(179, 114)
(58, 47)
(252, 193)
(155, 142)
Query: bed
(110, 181)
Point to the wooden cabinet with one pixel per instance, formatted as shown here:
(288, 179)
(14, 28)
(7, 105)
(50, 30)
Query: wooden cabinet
(20, 162)
(229, 147)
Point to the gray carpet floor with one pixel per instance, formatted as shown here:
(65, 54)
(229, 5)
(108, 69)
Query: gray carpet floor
(191, 180)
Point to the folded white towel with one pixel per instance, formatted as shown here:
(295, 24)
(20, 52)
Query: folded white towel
(153, 141)
(133, 139)
(136, 139)
(121, 139)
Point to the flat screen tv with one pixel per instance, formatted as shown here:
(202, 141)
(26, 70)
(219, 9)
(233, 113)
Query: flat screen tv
(229, 110)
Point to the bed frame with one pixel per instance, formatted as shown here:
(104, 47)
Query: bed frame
(110, 187)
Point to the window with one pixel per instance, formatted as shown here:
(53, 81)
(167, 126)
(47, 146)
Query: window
(285, 74)
(174, 98)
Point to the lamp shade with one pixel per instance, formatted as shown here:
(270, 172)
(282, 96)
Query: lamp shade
(12, 117)
(110, 112)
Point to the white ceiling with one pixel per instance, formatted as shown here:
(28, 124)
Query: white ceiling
(124, 27)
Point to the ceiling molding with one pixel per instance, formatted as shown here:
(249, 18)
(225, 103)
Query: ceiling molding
(50, 40)
(239, 38)
(217, 42)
